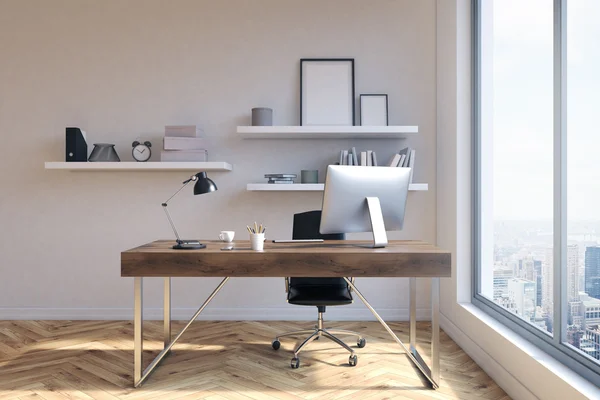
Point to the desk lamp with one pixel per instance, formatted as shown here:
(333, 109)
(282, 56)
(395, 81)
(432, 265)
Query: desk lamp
(203, 185)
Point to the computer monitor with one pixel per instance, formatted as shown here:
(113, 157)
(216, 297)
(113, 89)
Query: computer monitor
(364, 199)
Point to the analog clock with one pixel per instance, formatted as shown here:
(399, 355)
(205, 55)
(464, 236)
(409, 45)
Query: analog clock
(141, 151)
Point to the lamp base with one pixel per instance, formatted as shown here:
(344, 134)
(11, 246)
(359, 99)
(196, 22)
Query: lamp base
(189, 245)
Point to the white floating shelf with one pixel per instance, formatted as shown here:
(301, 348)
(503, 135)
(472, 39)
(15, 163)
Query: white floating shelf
(139, 166)
(326, 132)
(312, 187)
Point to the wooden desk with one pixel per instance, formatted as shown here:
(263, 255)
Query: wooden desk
(400, 259)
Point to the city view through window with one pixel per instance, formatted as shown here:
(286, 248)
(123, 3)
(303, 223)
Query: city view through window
(517, 166)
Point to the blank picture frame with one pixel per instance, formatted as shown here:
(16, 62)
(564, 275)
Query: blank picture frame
(327, 91)
(374, 110)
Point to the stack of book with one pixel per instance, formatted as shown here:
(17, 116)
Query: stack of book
(182, 143)
(404, 158)
(366, 158)
(281, 178)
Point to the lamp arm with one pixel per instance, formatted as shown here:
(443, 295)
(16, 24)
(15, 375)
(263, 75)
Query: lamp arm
(164, 205)
(171, 222)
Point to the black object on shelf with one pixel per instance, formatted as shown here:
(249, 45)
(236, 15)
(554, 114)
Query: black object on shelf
(76, 147)
(203, 185)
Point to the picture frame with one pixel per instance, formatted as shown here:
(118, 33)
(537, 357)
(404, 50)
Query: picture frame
(374, 110)
(327, 94)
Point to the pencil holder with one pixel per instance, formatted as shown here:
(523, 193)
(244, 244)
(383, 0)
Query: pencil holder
(257, 241)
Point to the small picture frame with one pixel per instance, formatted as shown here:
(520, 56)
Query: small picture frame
(374, 110)
(327, 91)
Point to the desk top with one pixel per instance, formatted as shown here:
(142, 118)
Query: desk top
(401, 258)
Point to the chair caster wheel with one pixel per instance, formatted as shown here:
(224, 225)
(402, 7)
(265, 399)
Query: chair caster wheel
(362, 342)
(353, 360)
(295, 363)
(276, 344)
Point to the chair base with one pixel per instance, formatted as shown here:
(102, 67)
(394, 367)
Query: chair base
(317, 333)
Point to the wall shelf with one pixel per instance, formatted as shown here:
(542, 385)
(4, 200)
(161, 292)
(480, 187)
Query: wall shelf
(326, 132)
(210, 166)
(312, 187)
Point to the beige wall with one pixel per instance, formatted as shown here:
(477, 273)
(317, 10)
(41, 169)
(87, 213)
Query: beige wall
(124, 69)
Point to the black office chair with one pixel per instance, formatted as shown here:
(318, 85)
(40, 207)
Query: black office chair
(317, 292)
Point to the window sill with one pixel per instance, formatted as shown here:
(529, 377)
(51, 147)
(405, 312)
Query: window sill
(526, 349)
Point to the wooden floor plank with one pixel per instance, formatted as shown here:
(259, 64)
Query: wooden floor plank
(224, 360)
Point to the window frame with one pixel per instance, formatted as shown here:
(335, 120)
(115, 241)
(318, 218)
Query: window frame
(555, 343)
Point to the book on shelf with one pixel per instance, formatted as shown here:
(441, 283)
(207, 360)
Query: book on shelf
(280, 181)
(395, 160)
(344, 157)
(183, 143)
(190, 131)
(190, 155)
(411, 164)
(369, 158)
(341, 162)
(402, 159)
(374, 161)
(405, 152)
(281, 176)
(363, 158)
(354, 157)
(350, 160)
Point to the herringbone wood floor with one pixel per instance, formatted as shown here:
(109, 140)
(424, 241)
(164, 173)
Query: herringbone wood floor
(222, 360)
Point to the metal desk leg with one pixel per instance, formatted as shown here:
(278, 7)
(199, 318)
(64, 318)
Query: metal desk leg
(138, 377)
(435, 329)
(138, 329)
(413, 355)
(412, 305)
(167, 311)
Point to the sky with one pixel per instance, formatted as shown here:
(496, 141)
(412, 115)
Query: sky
(522, 104)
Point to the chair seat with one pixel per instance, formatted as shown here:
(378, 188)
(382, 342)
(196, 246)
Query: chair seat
(317, 295)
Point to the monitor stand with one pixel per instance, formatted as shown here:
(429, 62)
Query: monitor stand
(377, 224)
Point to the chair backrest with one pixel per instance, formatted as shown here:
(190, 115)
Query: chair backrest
(306, 226)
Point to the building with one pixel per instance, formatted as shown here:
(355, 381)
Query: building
(590, 342)
(547, 284)
(523, 294)
(592, 271)
(501, 277)
(590, 311)
(572, 272)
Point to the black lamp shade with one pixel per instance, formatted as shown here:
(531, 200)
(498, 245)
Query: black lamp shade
(204, 184)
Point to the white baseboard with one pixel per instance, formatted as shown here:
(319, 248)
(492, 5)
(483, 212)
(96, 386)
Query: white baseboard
(227, 314)
(512, 386)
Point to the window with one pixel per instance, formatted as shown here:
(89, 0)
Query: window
(537, 241)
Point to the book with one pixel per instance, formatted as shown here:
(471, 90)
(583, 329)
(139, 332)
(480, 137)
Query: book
(402, 159)
(395, 160)
(406, 152)
(350, 161)
(374, 162)
(183, 143)
(344, 157)
(191, 131)
(280, 182)
(191, 155)
(354, 157)
(411, 164)
(341, 157)
(281, 176)
(363, 158)
(369, 158)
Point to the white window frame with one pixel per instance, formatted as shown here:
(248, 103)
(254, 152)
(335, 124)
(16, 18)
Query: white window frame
(555, 343)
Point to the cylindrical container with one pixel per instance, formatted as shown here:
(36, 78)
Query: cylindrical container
(262, 116)
(309, 176)
(257, 241)
(104, 152)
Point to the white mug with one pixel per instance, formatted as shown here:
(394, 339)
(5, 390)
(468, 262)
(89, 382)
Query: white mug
(227, 236)
(257, 241)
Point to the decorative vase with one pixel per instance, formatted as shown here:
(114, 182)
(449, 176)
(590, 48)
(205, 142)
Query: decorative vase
(104, 152)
